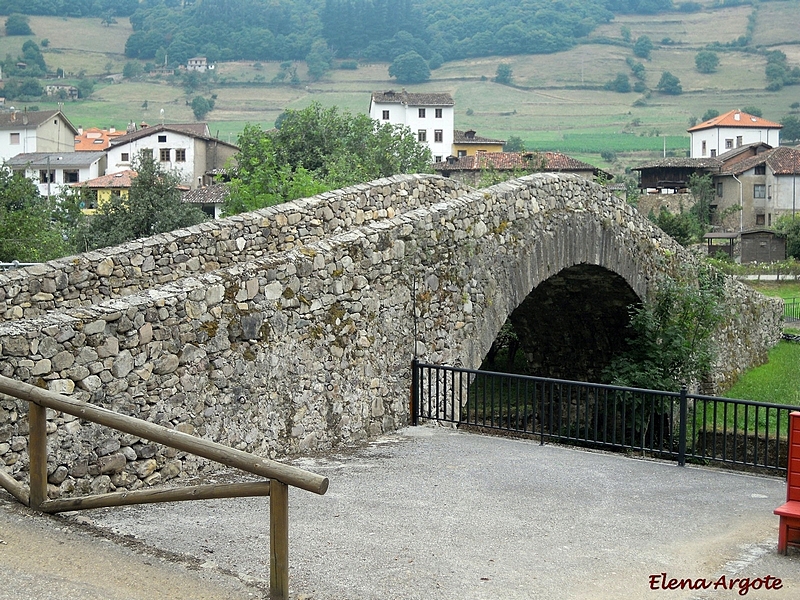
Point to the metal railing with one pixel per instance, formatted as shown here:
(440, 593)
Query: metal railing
(791, 309)
(280, 476)
(670, 425)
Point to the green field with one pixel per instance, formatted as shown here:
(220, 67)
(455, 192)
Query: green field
(557, 101)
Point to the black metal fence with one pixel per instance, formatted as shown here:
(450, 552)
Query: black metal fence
(671, 425)
(791, 309)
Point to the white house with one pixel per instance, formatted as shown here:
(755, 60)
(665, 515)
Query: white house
(187, 149)
(23, 132)
(429, 116)
(199, 63)
(54, 170)
(731, 130)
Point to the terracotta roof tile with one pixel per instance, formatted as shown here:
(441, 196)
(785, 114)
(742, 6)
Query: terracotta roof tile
(210, 194)
(507, 161)
(736, 118)
(121, 180)
(782, 160)
(95, 138)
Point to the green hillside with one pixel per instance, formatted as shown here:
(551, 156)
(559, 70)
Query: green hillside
(556, 101)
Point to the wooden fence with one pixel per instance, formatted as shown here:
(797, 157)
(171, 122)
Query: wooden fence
(279, 476)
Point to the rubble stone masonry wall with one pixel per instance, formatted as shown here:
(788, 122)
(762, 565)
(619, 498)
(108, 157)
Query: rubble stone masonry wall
(305, 344)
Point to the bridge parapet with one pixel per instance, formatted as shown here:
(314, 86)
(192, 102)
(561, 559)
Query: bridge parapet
(309, 347)
(119, 271)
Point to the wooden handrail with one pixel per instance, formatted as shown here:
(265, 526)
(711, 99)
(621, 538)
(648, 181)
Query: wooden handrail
(169, 437)
(277, 488)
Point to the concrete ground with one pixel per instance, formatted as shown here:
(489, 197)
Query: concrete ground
(429, 513)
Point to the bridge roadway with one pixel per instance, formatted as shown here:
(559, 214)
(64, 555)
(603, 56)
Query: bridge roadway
(426, 513)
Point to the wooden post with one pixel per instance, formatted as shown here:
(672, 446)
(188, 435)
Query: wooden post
(37, 421)
(278, 540)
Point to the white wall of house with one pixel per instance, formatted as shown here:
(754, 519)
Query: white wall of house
(434, 131)
(765, 197)
(174, 151)
(53, 135)
(61, 176)
(718, 140)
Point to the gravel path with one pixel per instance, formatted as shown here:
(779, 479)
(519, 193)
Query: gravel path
(432, 513)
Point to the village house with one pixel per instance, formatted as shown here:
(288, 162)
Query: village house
(187, 149)
(467, 143)
(54, 170)
(765, 185)
(199, 63)
(470, 169)
(729, 131)
(429, 116)
(102, 189)
(25, 132)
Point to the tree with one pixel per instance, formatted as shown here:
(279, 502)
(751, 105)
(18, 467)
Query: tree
(791, 128)
(153, 206)
(706, 61)
(681, 226)
(702, 188)
(711, 113)
(31, 227)
(621, 84)
(85, 88)
(669, 344)
(410, 68)
(18, 25)
(201, 107)
(514, 144)
(753, 110)
(790, 229)
(132, 69)
(318, 149)
(503, 74)
(669, 84)
(319, 60)
(643, 47)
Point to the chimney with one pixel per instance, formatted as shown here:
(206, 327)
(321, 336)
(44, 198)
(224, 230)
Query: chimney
(737, 117)
(451, 160)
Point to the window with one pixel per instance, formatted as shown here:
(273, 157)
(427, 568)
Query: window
(14, 139)
(438, 113)
(146, 153)
(728, 144)
(704, 148)
(71, 176)
(759, 219)
(759, 191)
(421, 113)
(386, 115)
(125, 157)
(422, 135)
(462, 153)
(162, 139)
(738, 141)
(438, 135)
(719, 189)
(43, 178)
(180, 154)
(164, 155)
(760, 169)
(713, 152)
(437, 159)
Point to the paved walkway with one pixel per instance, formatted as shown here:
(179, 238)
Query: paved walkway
(431, 513)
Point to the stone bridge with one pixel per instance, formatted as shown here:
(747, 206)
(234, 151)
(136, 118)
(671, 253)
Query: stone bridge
(292, 328)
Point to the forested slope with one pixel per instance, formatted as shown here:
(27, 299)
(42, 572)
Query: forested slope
(362, 29)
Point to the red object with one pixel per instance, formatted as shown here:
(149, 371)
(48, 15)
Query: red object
(789, 527)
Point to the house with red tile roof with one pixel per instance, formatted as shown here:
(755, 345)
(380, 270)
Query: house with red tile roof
(729, 131)
(104, 188)
(767, 186)
(94, 138)
(470, 169)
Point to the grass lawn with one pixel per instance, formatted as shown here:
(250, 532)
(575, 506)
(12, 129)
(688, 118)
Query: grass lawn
(777, 381)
